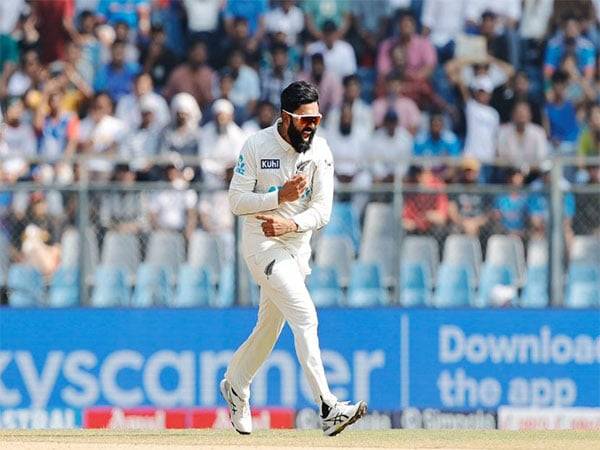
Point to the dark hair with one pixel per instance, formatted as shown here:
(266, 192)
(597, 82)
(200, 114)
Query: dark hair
(298, 93)
(317, 57)
(404, 13)
(329, 26)
(263, 104)
(350, 79)
(279, 47)
(560, 76)
(488, 14)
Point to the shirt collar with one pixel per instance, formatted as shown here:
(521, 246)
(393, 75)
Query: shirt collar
(282, 142)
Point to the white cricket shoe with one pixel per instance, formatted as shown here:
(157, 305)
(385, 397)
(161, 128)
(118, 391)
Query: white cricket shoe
(239, 410)
(339, 416)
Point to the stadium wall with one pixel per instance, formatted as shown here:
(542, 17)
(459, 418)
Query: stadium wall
(66, 367)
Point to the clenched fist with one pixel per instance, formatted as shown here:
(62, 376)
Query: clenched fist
(276, 226)
(292, 189)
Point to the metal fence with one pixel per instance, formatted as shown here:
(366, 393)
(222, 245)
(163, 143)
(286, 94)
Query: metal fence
(100, 210)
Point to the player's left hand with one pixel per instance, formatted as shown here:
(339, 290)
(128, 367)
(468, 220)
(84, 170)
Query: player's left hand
(276, 226)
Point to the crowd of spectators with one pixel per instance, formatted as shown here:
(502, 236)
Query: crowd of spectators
(123, 82)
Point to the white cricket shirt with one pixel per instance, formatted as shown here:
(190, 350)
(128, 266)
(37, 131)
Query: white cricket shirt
(265, 163)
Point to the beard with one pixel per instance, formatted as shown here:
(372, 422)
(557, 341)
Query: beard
(295, 135)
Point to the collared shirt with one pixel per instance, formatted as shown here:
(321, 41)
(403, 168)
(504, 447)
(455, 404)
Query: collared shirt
(272, 85)
(529, 147)
(419, 53)
(340, 58)
(585, 53)
(445, 19)
(265, 163)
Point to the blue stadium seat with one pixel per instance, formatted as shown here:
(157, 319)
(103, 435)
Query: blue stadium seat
(64, 287)
(25, 286)
(111, 287)
(535, 292)
(365, 286)
(454, 287)
(492, 276)
(324, 287)
(583, 295)
(225, 294)
(415, 284)
(152, 287)
(344, 222)
(336, 252)
(583, 286)
(194, 287)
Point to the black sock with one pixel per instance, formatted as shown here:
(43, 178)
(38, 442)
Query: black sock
(325, 408)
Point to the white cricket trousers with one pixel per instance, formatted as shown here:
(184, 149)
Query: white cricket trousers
(283, 297)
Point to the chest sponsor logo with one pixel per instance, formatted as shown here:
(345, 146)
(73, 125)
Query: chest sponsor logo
(270, 163)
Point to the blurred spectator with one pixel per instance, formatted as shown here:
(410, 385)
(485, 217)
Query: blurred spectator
(265, 117)
(246, 85)
(203, 19)
(570, 41)
(30, 75)
(238, 39)
(368, 27)
(560, 118)
(123, 210)
(221, 141)
(361, 111)
(339, 55)
(116, 77)
(438, 140)
(143, 140)
(347, 140)
(285, 17)
(91, 48)
(79, 74)
(534, 21)
(17, 134)
(173, 209)
(424, 213)
(275, 79)
(498, 71)
(135, 13)
(122, 33)
(253, 11)
(468, 210)
(101, 133)
(182, 135)
(517, 90)
(128, 107)
(482, 121)
(406, 109)
(193, 76)
(522, 143)
(589, 139)
(225, 91)
(390, 147)
(9, 15)
(54, 19)
(538, 206)
(329, 85)
(317, 12)
(420, 55)
(58, 129)
(443, 21)
(497, 44)
(511, 209)
(157, 59)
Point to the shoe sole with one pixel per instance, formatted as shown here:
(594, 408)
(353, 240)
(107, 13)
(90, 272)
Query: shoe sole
(223, 390)
(360, 412)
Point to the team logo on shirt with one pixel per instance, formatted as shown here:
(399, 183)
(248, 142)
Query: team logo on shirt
(270, 163)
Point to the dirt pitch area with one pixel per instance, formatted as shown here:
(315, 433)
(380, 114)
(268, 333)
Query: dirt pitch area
(295, 439)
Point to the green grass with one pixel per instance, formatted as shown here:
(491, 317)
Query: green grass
(456, 439)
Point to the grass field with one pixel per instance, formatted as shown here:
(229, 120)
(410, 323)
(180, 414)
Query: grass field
(296, 439)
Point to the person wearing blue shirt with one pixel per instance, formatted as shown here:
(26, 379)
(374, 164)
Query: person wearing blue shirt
(437, 141)
(511, 209)
(570, 41)
(251, 10)
(538, 205)
(116, 77)
(560, 118)
(135, 13)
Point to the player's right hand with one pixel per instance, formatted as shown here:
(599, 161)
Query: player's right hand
(293, 188)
